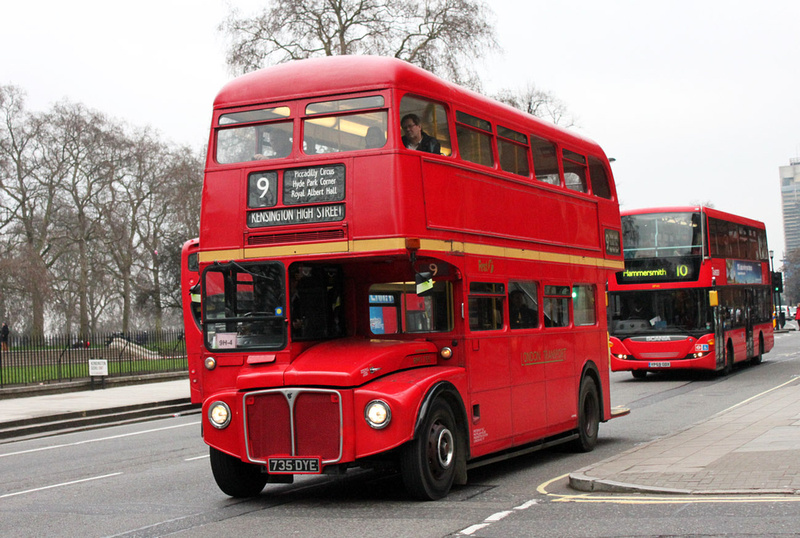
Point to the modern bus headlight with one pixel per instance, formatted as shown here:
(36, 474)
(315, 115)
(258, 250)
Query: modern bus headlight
(210, 363)
(219, 414)
(377, 414)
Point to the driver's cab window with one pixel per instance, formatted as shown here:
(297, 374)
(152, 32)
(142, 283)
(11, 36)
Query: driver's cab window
(423, 126)
(316, 301)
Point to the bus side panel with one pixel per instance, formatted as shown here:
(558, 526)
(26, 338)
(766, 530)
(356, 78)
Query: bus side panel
(223, 216)
(528, 394)
(463, 200)
(490, 390)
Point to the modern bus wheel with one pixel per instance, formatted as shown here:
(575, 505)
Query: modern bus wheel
(758, 358)
(728, 368)
(235, 477)
(639, 374)
(588, 416)
(428, 463)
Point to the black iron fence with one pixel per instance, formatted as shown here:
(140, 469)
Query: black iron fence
(67, 358)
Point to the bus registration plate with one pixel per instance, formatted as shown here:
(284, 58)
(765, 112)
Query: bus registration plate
(293, 465)
(659, 365)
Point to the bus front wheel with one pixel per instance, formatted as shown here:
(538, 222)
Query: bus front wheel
(235, 477)
(588, 416)
(428, 463)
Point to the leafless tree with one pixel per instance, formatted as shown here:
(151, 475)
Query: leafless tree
(445, 37)
(28, 201)
(539, 103)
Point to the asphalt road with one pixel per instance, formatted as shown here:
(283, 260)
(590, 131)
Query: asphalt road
(153, 479)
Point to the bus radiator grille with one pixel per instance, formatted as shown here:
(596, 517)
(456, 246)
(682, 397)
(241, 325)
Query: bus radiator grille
(317, 420)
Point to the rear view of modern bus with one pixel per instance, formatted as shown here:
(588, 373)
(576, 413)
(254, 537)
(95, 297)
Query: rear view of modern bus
(369, 304)
(695, 292)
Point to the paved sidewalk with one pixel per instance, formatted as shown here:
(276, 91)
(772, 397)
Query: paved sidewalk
(753, 447)
(37, 407)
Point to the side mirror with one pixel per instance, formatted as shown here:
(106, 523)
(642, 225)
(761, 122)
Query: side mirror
(424, 282)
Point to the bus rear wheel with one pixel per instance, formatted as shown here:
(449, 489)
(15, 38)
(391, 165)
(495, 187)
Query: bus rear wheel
(428, 463)
(235, 477)
(588, 416)
(758, 358)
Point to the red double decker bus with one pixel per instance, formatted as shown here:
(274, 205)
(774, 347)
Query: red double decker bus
(394, 270)
(695, 292)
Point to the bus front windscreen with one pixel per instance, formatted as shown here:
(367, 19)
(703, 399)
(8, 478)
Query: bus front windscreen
(662, 235)
(660, 312)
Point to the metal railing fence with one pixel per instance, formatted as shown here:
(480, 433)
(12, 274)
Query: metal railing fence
(59, 358)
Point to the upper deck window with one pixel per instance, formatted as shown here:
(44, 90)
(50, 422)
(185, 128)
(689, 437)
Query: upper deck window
(432, 122)
(545, 161)
(345, 105)
(254, 142)
(599, 178)
(574, 171)
(512, 148)
(474, 139)
(252, 116)
(345, 125)
(661, 235)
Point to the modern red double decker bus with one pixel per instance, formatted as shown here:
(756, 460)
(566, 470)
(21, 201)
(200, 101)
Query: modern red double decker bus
(368, 304)
(695, 292)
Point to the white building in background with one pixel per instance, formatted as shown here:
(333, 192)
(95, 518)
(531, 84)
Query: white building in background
(790, 201)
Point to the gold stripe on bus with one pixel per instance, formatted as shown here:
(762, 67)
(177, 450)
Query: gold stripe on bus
(398, 243)
(220, 255)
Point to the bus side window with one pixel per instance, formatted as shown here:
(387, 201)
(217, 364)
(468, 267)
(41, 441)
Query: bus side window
(583, 304)
(523, 305)
(545, 161)
(599, 178)
(474, 139)
(556, 306)
(574, 170)
(433, 120)
(486, 306)
(512, 149)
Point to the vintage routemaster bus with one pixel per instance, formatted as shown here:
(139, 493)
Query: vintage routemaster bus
(365, 303)
(695, 292)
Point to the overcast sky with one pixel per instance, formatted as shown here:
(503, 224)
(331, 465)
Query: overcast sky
(697, 100)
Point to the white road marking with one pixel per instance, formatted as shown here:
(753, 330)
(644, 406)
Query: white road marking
(59, 485)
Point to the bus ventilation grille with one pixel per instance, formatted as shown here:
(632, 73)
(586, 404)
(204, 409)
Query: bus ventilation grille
(299, 423)
(297, 237)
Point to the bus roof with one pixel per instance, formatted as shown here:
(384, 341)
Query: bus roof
(332, 75)
(711, 212)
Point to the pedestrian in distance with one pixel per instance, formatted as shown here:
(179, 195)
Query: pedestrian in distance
(4, 336)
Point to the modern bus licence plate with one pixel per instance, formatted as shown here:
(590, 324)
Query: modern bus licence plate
(659, 365)
(293, 465)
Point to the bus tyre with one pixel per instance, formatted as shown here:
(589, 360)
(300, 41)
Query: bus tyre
(428, 462)
(588, 416)
(758, 358)
(728, 368)
(235, 477)
(639, 374)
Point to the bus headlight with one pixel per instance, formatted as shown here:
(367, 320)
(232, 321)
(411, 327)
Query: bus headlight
(210, 363)
(377, 414)
(219, 414)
